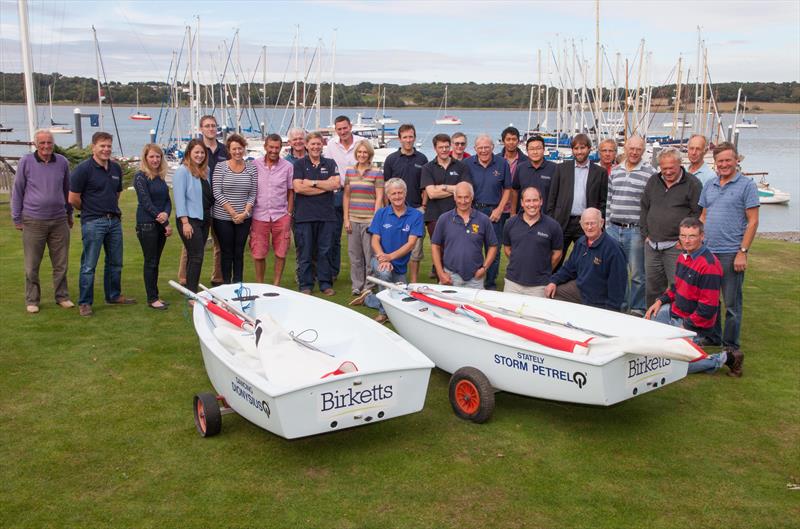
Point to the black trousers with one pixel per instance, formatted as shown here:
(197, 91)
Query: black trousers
(152, 237)
(571, 234)
(195, 250)
(232, 239)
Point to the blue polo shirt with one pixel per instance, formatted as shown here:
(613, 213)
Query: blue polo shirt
(394, 232)
(531, 249)
(464, 244)
(434, 174)
(98, 188)
(527, 175)
(408, 167)
(314, 208)
(600, 270)
(490, 181)
(726, 220)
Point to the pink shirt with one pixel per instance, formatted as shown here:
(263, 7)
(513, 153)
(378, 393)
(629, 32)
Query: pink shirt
(344, 157)
(274, 182)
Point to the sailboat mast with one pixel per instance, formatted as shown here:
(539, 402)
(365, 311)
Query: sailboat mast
(673, 131)
(192, 124)
(27, 66)
(333, 70)
(99, 87)
(598, 94)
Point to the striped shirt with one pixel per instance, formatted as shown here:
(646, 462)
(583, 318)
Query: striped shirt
(694, 294)
(362, 192)
(625, 190)
(236, 189)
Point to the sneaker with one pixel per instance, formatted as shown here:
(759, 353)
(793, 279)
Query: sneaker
(734, 362)
(32, 309)
(381, 318)
(329, 292)
(361, 298)
(66, 304)
(85, 310)
(638, 313)
(355, 292)
(121, 300)
(306, 291)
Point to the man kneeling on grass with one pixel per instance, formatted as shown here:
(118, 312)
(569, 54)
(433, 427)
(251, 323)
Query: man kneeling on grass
(395, 229)
(692, 300)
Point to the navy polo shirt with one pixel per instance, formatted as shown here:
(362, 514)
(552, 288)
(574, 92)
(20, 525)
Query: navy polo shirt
(531, 249)
(220, 155)
(98, 188)
(394, 232)
(409, 169)
(435, 174)
(490, 181)
(464, 244)
(314, 208)
(527, 175)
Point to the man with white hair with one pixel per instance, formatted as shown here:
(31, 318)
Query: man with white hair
(625, 187)
(459, 242)
(696, 150)
(41, 211)
(297, 144)
(491, 177)
(669, 197)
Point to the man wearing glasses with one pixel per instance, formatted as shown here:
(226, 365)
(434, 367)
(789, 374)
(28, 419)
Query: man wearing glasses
(459, 151)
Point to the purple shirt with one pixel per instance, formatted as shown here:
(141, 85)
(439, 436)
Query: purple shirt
(40, 189)
(272, 198)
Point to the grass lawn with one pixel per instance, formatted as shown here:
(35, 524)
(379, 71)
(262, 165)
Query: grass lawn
(97, 430)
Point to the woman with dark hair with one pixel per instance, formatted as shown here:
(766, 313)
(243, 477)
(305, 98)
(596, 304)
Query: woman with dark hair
(193, 201)
(234, 186)
(152, 217)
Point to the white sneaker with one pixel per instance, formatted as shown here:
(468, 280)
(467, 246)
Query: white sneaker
(32, 309)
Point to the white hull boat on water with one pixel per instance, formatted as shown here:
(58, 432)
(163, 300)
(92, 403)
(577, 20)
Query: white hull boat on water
(296, 365)
(535, 347)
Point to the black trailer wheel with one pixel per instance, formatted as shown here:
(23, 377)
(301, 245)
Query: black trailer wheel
(471, 395)
(207, 416)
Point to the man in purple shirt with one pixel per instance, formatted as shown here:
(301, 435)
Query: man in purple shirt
(272, 212)
(40, 209)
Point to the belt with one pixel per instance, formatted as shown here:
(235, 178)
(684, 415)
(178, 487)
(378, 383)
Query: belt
(480, 205)
(109, 216)
(622, 225)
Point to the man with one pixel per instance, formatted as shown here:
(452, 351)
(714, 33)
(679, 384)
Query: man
(315, 181)
(463, 235)
(595, 273)
(668, 197)
(40, 209)
(491, 178)
(342, 150)
(511, 151)
(692, 301)
(439, 178)
(730, 213)
(696, 152)
(94, 188)
(607, 149)
(535, 171)
(215, 152)
(297, 144)
(273, 208)
(577, 184)
(625, 188)
(459, 152)
(406, 163)
(533, 243)
(395, 230)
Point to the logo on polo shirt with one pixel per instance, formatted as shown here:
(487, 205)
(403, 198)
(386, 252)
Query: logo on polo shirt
(545, 177)
(453, 173)
(406, 228)
(387, 226)
(496, 172)
(597, 261)
(323, 170)
(475, 228)
(418, 166)
(543, 234)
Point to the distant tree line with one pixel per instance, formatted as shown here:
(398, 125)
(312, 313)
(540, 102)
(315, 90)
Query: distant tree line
(83, 90)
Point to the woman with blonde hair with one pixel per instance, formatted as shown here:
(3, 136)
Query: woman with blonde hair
(363, 196)
(152, 217)
(193, 201)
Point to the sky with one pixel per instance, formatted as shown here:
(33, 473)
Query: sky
(410, 41)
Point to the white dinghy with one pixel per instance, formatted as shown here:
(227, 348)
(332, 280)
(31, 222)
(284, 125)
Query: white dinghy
(296, 365)
(535, 347)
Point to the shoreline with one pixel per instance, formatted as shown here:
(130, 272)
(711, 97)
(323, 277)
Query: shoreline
(786, 236)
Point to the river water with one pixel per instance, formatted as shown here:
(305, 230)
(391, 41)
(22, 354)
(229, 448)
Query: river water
(773, 148)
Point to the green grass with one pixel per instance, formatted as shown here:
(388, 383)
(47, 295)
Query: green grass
(97, 431)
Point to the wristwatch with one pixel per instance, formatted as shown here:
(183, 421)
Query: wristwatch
(313, 183)
(743, 249)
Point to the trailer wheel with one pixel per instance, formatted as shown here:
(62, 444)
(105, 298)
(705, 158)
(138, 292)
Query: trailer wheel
(471, 395)
(207, 416)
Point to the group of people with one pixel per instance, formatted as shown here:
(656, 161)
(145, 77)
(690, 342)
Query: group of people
(658, 243)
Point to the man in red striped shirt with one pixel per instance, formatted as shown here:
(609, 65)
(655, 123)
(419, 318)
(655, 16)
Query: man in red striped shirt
(692, 300)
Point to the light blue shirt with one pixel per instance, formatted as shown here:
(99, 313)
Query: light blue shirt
(579, 193)
(705, 173)
(726, 206)
(188, 193)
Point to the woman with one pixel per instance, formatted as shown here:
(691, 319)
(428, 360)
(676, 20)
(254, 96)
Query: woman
(234, 186)
(363, 196)
(152, 217)
(193, 201)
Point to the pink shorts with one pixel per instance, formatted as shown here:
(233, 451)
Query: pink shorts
(261, 231)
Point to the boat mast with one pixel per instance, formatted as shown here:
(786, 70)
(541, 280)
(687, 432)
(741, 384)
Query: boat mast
(736, 110)
(542, 125)
(191, 82)
(264, 92)
(237, 104)
(318, 98)
(333, 71)
(697, 100)
(677, 100)
(598, 94)
(27, 66)
(197, 100)
(296, 73)
(99, 88)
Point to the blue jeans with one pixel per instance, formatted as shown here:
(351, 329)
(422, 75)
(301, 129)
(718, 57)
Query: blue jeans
(732, 282)
(490, 281)
(100, 233)
(630, 240)
(706, 365)
(391, 276)
(459, 281)
(314, 238)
